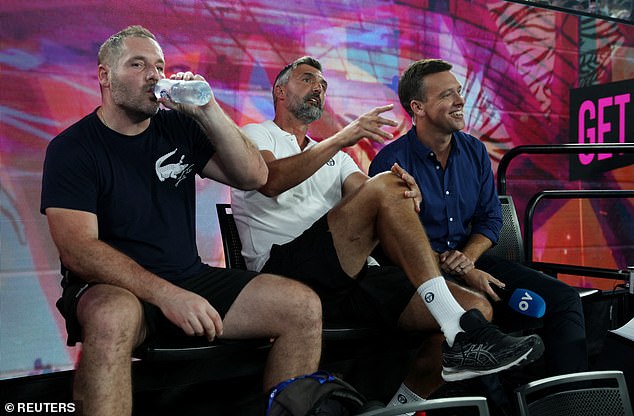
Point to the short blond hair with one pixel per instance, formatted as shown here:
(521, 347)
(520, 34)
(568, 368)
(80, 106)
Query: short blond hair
(111, 49)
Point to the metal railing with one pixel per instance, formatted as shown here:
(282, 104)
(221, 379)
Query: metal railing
(625, 275)
(548, 149)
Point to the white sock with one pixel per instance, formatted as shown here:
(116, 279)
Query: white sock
(443, 306)
(404, 395)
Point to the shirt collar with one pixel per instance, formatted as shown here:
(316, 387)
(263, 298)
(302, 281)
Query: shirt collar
(284, 133)
(424, 151)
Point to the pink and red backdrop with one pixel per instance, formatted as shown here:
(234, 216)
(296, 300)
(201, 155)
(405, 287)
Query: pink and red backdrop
(517, 64)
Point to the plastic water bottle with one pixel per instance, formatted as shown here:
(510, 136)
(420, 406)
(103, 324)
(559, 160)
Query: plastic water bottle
(185, 92)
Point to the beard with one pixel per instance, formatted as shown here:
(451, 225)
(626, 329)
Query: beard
(140, 104)
(306, 111)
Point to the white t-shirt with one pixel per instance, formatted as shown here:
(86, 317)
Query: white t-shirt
(264, 221)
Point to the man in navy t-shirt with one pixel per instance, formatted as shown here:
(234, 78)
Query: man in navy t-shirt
(119, 194)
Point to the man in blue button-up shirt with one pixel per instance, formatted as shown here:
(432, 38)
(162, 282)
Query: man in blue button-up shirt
(461, 209)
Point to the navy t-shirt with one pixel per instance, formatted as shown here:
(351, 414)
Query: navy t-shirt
(142, 188)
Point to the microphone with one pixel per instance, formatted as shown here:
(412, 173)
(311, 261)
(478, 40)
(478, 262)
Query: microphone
(522, 301)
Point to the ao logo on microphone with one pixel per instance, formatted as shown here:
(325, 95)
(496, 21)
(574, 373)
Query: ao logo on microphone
(527, 302)
(524, 305)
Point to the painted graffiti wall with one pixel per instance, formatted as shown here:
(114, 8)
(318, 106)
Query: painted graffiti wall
(517, 64)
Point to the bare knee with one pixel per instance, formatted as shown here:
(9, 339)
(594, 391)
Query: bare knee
(110, 317)
(290, 306)
(305, 308)
(386, 187)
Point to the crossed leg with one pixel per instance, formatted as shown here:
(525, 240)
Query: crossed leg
(377, 212)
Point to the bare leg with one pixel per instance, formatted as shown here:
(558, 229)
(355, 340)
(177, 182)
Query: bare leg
(378, 211)
(112, 322)
(284, 309)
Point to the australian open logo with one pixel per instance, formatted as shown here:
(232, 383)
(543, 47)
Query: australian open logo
(331, 162)
(429, 297)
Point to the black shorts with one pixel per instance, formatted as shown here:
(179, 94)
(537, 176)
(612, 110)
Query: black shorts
(377, 296)
(219, 286)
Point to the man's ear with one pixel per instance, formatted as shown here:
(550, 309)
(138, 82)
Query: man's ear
(103, 74)
(417, 107)
(280, 91)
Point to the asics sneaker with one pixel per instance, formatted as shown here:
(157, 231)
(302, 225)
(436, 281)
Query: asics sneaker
(483, 349)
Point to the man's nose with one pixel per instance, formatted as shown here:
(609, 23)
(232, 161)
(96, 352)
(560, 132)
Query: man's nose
(154, 73)
(317, 86)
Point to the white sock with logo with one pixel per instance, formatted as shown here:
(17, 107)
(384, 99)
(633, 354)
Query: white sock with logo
(403, 396)
(443, 306)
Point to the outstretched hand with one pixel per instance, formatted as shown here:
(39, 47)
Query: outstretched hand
(367, 126)
(481, 281)
(413, 189)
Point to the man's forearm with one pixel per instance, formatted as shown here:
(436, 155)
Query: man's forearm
(238, 159)
(99, 262)
(476, 246)
(286, 173)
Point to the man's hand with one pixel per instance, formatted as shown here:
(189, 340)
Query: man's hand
(367, 126)
(189, 109)
(192, 313)
(481, 281)
(455, 262)
(414, 191)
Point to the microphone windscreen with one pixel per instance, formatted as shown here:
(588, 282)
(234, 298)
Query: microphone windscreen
(527, 302)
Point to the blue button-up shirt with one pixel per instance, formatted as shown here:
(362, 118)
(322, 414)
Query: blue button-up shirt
(458, 200)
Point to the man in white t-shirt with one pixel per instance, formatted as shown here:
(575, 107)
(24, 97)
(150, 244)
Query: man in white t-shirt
(318, 218)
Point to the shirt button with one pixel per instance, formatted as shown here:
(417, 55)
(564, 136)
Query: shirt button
(446, 192)
(437, 167)
(451, 219)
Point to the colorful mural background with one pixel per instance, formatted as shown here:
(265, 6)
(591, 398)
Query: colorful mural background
(517, 65)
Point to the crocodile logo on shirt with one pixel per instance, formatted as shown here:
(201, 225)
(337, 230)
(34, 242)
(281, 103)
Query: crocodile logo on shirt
(171, 170)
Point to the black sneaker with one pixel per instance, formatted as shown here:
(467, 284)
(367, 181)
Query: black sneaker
(483, 349)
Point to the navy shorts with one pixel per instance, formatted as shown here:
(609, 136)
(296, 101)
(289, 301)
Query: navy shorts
(219, 286)
(377, 296)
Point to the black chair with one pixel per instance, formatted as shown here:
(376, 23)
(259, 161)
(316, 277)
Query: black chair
(452, 406)
(510, 244)
(578, 394)
(231, 243)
